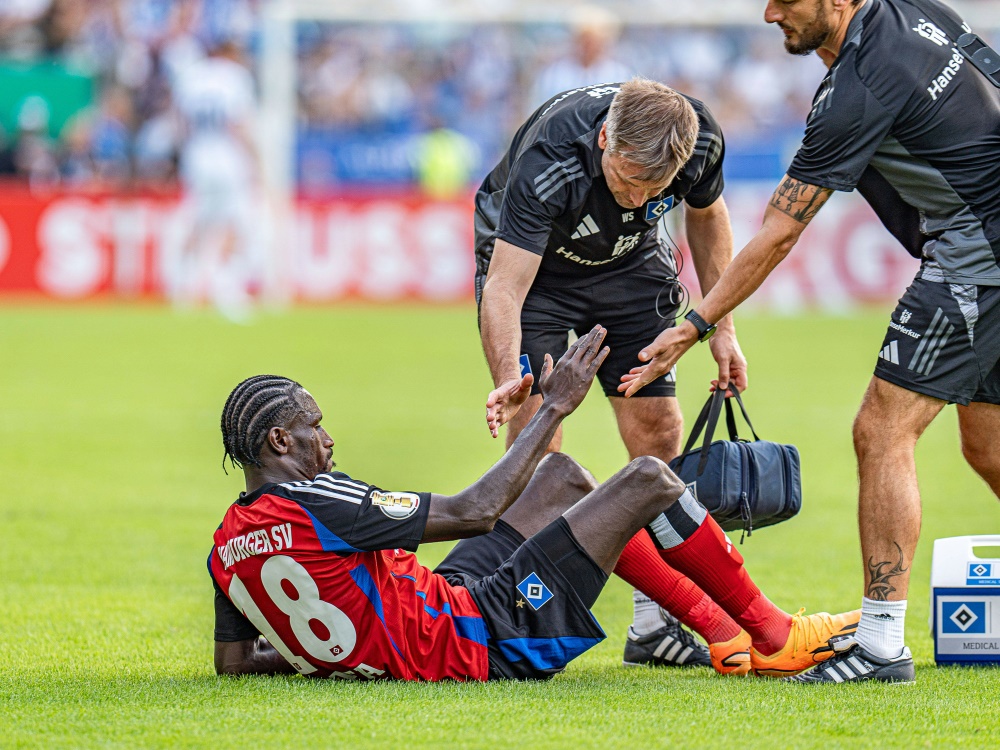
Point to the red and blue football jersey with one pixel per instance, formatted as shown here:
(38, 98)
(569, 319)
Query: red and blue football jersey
(320, 568)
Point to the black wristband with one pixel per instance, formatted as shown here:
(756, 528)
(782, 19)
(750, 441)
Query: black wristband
(704, 328)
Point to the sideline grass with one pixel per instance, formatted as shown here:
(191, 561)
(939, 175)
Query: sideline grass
(111, 465)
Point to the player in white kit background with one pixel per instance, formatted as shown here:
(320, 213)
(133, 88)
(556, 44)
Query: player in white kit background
(220, 256)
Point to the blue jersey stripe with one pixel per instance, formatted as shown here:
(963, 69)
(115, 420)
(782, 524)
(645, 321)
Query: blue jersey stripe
(367, 585)
(546, 653)
(470, 627)
(330, 541)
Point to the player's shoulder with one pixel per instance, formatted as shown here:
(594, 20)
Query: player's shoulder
(706, 120)
(333, 485)
(710, 145)
(895, 42)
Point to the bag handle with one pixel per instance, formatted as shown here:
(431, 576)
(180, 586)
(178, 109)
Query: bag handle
(731, 418)
(708, 420)
(714, 406)
(697, 427)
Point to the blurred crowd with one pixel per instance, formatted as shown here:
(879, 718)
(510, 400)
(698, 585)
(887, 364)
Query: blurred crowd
(129, 54)
(489, 78)
(427, 98)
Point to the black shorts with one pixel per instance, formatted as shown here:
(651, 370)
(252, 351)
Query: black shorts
(944, 341)
(624, 303)
(538, 621)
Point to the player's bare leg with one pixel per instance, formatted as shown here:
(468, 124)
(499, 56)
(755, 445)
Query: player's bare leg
(605, 520)
(649, 426)
(521, 419)
(558, 484)
(886, 430)
(654, 426)
(979, 426)
(228, 285)
(185, 287)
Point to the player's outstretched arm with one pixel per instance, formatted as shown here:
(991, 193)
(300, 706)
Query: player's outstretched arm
(792, 207)
(512, 271)
(475, 509)
(252, 656)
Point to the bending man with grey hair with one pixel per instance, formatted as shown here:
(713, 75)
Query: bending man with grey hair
(567, 237)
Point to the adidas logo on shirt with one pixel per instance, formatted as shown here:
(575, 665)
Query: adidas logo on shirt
(587, 227)
(890, 353)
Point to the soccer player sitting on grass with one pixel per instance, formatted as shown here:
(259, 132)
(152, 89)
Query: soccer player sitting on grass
(316, 561)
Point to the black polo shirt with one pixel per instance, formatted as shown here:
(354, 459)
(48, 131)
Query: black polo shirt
(903, 101)
(548, 195)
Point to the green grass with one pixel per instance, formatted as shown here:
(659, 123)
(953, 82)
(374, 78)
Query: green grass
(110, 462)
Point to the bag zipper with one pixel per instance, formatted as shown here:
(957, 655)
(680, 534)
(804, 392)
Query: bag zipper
(745, 511)
(786, 463)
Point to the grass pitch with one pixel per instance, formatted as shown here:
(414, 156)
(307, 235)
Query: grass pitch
(111, 465)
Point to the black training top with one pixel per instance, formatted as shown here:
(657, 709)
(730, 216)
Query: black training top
(903, 102)
(548, 195)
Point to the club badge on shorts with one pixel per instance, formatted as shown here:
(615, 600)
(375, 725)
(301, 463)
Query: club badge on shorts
(536, 592)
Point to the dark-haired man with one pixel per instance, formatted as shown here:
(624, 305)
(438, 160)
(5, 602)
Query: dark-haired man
(315, 560)
(909, 113)
(567, 235)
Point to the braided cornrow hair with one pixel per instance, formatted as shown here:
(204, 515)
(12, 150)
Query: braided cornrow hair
(252, 409)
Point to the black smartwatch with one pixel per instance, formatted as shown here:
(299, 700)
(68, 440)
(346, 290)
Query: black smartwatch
(704, 328)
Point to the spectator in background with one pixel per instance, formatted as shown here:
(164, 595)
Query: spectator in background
(591, 59)
(20, 37)
(445, 162)
(76, 164)
(111, 137)
(34, 151)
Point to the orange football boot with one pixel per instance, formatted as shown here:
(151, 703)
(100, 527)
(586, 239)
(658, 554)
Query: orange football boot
(732, 657)
(807, 644)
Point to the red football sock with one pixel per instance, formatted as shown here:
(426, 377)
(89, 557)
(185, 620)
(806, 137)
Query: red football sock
(641, 566)
(709, 559)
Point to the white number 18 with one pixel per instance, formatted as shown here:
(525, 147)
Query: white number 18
(305, 608)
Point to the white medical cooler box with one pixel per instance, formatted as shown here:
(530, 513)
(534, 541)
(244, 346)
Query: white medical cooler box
(965, 601)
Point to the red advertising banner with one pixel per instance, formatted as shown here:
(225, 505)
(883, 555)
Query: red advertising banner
(380, 248)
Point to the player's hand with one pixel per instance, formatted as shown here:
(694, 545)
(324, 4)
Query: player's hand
(565, 385)
(660, 356)
(504, 401)
(732, 364)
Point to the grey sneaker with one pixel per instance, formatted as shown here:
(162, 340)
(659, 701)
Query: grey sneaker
(670, 646)
(851, 663)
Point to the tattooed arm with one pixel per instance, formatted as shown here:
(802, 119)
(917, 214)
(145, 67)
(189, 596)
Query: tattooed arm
(792, 207)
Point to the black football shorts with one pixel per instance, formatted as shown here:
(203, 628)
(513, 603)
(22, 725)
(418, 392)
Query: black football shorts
(944, 341)
(625, 304)
(537, 619)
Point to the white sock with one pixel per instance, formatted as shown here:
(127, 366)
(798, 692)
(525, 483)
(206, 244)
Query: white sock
(880, 631)
(647, 617)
